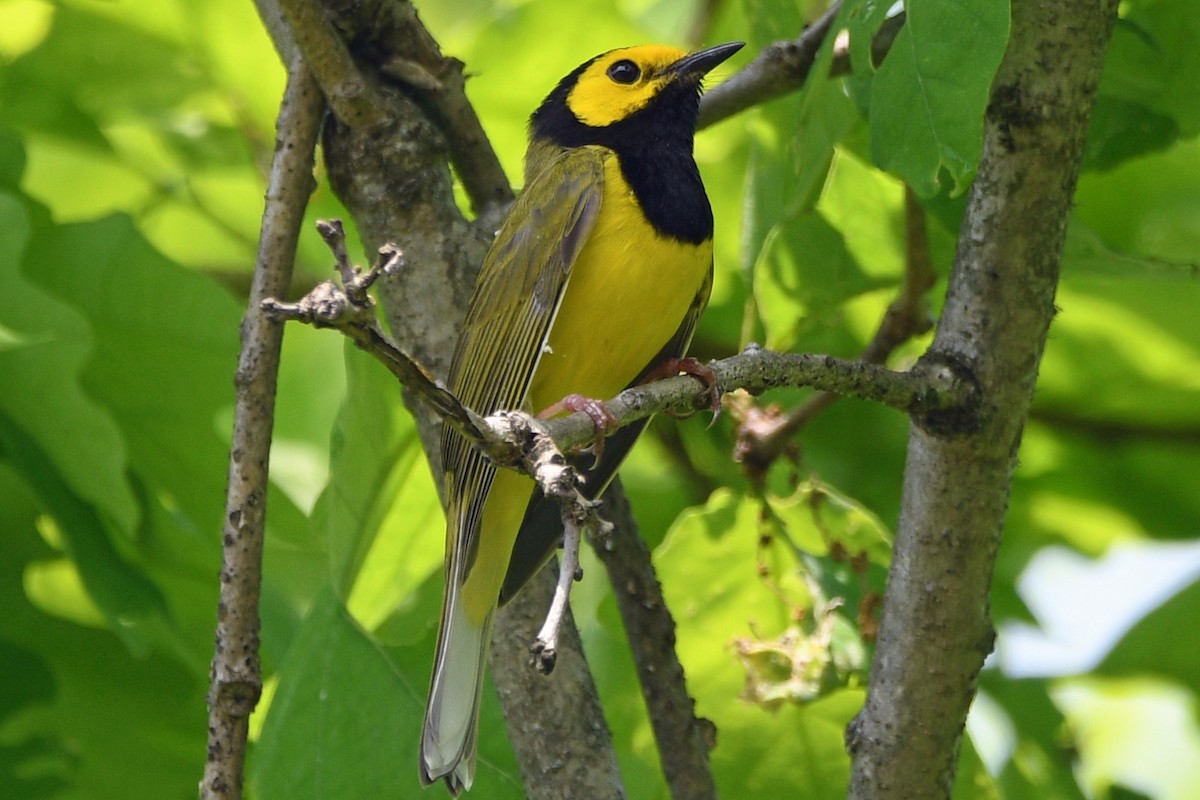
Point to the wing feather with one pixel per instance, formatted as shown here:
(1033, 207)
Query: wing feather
(512, 309)
(541, 529)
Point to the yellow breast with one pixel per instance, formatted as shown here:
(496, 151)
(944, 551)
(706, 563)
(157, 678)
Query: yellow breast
(629, 291)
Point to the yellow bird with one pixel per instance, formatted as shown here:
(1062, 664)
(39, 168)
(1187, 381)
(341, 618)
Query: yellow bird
(598, 274)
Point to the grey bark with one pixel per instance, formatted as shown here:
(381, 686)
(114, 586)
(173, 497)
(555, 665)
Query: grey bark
(236, 677)
(565, 749)
(936, 630)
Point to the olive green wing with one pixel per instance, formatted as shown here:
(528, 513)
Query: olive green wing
(508, 321)
(541, 531)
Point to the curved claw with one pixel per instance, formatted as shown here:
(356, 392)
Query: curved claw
(690, 366)
(603, 419)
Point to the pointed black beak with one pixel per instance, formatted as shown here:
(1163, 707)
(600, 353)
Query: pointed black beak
(700, 62)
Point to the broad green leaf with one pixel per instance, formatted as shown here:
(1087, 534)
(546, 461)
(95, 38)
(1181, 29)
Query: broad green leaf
(827, 117)
(791, 147)
(1148, 371)
(1119, 130)
(803, 273)
(823, 521)
(1087, 254)
(101, 64)
(379, 486)
(1041, 763)
(1138, 733)
(709, 567)
(42, 370)
(929, 95)
(1153, 62)
(862, 24)
(346, 718)
(1144, 207)
(66, 684)
(132, 604)
(165, 352)
(1141, 650)
(972, 781)
(165, 348)
(867, 207)
(341, 720)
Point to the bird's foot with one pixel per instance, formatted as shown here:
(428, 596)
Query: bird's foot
(671, 367)
(603, 419)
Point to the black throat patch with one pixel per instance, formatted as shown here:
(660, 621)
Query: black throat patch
(653, 146)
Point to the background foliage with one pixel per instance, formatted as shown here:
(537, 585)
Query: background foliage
(133, 143)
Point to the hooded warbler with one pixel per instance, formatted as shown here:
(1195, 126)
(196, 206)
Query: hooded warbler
(598, 273)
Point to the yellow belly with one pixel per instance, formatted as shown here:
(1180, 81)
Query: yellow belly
(629, 290)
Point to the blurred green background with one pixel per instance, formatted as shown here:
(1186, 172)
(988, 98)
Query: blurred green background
(134, 141)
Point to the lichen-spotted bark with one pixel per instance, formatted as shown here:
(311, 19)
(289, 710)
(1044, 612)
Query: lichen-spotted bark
(936, 629)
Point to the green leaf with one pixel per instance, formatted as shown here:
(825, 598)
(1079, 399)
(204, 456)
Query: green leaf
(803, 273)
(1041, 764)
(165, 348)
(823, 521)
(1145, 207)
(972, 781)
(1119, 130)
(380, 491)
(929, 95)
(346, 718)
(103, 64)
(49, 344)
(1141, 650)
(1153, 62)
(1087, 253)
(709, 567)
(1136, 732)
(133, 605)
(83, 707)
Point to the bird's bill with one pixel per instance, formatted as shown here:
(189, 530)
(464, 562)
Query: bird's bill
(701, 61)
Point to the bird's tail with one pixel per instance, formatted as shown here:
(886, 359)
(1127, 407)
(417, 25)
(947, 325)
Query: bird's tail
(452, 715)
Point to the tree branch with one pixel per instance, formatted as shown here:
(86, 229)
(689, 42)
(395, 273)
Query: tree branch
(935, 631)
(777, 70)
(683, 740)
(783, 67)
(554, 721)
(236, 678)
(934, 388)
(438, 85)
(763, 435)
(347, 91)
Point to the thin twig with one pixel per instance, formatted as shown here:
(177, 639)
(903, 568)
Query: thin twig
(236, 680)
(778, 69)
(545, 646)
(783, 67)
(349, 309)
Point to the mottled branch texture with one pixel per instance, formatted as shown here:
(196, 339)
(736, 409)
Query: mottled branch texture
(236, 680)
(936, 629)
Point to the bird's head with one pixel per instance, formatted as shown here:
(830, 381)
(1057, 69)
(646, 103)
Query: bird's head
(648, 86)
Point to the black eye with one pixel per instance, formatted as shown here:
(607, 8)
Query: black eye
(624, 71)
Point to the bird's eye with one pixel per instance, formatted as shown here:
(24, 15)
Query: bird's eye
(624, 71)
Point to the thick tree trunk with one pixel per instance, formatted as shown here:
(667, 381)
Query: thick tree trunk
(936, 630)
